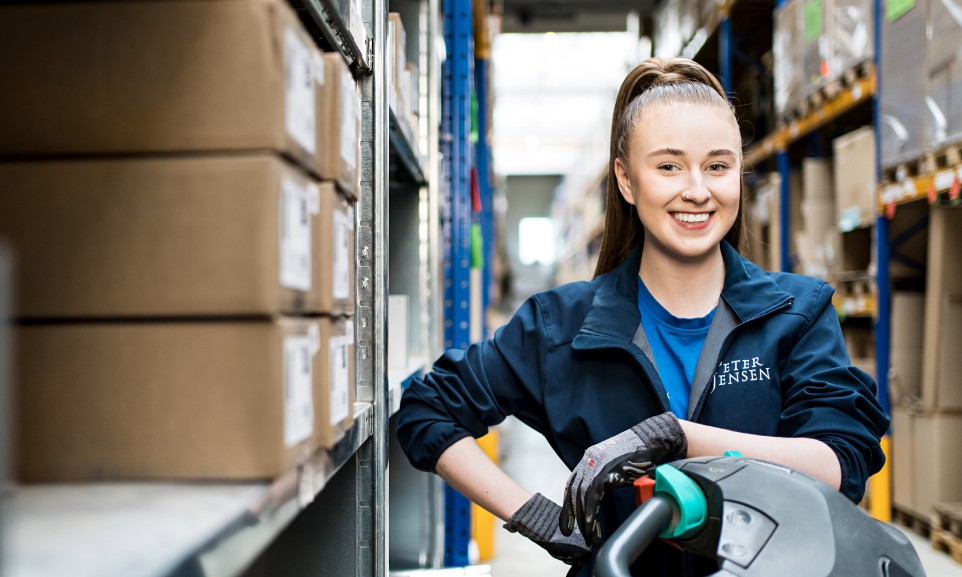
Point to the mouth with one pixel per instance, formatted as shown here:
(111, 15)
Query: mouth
(691, 218)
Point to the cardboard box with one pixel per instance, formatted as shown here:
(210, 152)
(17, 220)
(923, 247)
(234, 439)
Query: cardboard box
(398, 53)
(941, 362)
(903, 459)
(336, 242)
(938, 469)
(334, 388)
(856, 203)
(908, 314)
(157, 77)
(399, 311)
(191, 400)
(175, 236)
(339, 121)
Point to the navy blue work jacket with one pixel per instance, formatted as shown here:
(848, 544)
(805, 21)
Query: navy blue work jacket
(574, 364)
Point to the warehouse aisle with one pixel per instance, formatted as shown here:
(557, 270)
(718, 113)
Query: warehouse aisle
(528, 458)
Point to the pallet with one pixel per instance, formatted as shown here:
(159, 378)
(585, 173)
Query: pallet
(948, 156)
(947, 543)
(920, 524)
(907, 169)
(827, 91)
(948, 518)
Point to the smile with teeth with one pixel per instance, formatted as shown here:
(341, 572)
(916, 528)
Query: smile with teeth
(691, 216)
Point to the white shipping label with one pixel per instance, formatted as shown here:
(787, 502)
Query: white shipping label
(298, 390)
(340, 398)
(318, 59)
(299, 77)
(350, 117)
(295, 242)
(343, 225)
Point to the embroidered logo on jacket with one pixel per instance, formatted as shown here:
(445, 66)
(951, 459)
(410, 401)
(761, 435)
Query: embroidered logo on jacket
(740, 371)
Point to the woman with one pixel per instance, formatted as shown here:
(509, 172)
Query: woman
(679, 347)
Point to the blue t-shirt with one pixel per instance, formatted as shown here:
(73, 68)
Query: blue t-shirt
(676, 345)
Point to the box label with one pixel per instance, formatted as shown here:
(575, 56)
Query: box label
(350, 118)
(298, 390)
(339, 381)
(297, 206)
(814, 20)
(895, 9)
(343, 225)
(299, 79)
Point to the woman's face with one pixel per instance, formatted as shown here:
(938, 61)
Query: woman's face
(684, 177)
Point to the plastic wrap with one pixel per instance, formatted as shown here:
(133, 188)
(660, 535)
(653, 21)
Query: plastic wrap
(943, 66)
(902, 98)
(786, 44)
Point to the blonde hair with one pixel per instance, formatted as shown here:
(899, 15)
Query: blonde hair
(655, 81)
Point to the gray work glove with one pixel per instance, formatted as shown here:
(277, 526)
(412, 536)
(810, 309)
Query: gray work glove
(617, 462)
(537, 520)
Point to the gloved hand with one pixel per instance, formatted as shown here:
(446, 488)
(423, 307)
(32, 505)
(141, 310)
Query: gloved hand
(537, 520)
(616, 462)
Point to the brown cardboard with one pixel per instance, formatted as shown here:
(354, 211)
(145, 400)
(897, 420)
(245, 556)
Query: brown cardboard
(170, 236)
(335, 242)
(908, 314)
(938, 469)
(941, 363)
(155, 76)
(854, 175)
(334, 387)
(903, 459)
(224, 400)
(338, 106)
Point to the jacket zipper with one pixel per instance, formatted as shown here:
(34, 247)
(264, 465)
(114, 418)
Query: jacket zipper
(724, 349)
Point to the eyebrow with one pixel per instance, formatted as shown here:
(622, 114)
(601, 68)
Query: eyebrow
(676, 152)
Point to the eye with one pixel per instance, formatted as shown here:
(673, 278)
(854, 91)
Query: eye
(717, 167)
(667, 167)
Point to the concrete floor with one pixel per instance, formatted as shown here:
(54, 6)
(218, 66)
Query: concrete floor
(529, 459)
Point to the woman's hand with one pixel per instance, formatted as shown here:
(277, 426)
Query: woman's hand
(616, 462)
(537, 520)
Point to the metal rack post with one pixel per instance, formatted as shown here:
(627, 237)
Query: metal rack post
(456, 82)
(371, 289)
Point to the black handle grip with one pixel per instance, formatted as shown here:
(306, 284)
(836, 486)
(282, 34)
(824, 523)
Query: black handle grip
(633, 537)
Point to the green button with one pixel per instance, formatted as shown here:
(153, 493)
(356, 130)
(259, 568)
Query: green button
(733, 454)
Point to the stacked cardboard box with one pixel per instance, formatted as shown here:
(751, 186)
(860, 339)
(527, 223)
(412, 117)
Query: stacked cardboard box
(930, 427)
(404, 91)
(854, 173)
(817, 241)
(180, 202)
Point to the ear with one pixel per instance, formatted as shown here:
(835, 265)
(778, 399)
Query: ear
(624, 182)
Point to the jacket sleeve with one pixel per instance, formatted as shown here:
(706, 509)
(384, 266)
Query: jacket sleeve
(469, 390)
(826, 398)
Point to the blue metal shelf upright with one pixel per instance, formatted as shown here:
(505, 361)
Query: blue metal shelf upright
(457, 77)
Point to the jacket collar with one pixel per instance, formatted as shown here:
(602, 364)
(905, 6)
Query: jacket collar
(749, 292)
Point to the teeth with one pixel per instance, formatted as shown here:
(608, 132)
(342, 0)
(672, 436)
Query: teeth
(691, 217)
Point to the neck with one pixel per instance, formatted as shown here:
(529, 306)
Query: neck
(688, 288)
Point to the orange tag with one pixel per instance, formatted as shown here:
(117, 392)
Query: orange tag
(890, 210)
(933, 195)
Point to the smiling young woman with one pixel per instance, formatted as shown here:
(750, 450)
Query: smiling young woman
(678, 347)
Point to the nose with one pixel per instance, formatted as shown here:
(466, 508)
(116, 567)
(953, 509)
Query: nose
(696, 192)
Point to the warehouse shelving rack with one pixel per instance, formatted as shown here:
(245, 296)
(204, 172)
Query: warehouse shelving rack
(854, 104)
(329, 515)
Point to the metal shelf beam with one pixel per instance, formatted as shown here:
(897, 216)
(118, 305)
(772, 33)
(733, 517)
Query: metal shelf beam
(158, 529)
